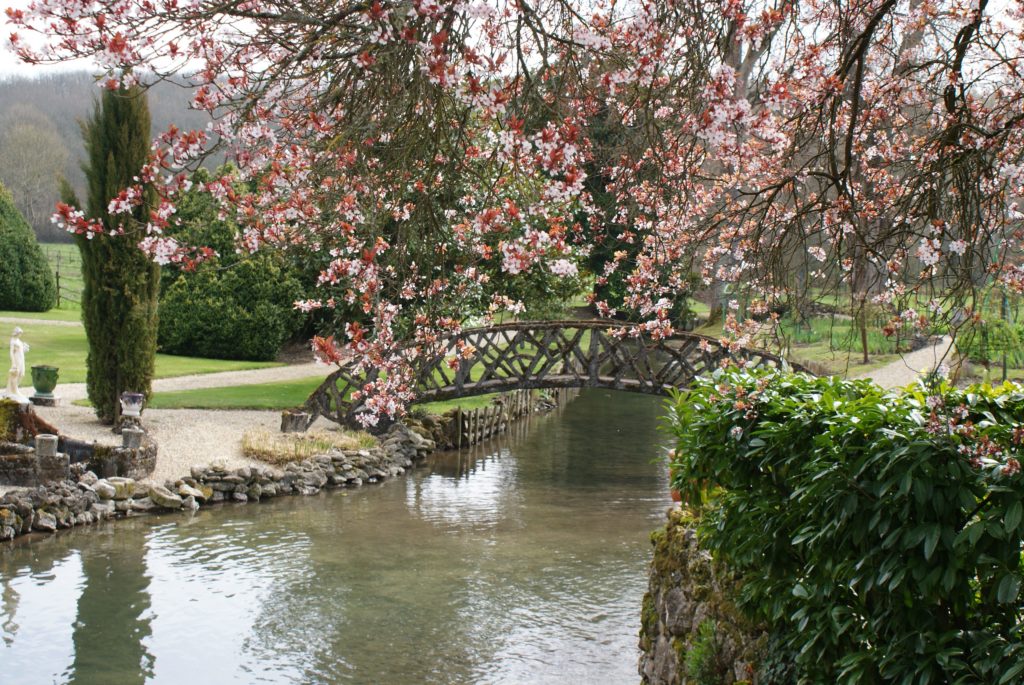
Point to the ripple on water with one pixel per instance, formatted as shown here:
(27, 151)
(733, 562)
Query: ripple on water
(525, 565)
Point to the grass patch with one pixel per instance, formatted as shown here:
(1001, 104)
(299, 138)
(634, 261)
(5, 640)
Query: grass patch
(170, 365)
(278, 395)
(66, 348)
(282, 448)
(466, 403)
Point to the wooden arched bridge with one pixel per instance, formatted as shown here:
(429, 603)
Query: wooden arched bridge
(543, 354)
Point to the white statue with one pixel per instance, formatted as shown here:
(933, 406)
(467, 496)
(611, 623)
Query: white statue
(18, 349)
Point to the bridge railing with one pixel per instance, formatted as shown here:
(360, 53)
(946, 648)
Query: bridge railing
(543, 354)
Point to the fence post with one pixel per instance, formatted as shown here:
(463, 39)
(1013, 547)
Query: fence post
(58, 280)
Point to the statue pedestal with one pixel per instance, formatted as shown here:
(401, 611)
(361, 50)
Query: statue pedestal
(51, 401)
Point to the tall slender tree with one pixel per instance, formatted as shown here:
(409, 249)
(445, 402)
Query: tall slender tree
(119, 302)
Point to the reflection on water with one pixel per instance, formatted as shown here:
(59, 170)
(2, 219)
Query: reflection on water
(521, 561)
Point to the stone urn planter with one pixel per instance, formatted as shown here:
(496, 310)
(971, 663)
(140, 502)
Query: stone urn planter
(44, 380)
(131, 404)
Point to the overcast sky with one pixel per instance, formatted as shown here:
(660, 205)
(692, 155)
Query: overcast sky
(9, 63)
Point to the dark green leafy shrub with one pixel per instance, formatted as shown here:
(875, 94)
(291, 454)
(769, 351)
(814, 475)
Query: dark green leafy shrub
(879, 533)
(241, 312)
(26, 282)
(778, 664)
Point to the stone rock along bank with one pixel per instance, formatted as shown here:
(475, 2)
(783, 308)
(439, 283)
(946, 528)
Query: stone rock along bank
(87, 498)
(691, 631)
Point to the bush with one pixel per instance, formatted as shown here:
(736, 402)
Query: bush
(26, 282)
(241, 312)
(878, 533)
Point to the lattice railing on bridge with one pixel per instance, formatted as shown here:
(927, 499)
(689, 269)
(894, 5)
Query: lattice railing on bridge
(544, 354)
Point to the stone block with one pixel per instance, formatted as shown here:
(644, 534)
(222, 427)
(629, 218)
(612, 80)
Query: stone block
(131, 438)
(163, 497)
(46, 445)
(124, 488)
(44, 521)
(104, 489)
(54, 468)
(20, 468)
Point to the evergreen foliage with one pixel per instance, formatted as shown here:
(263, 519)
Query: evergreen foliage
(878, 533)
(119, 302)
(26, 282)
(242, 312)
(234, 306)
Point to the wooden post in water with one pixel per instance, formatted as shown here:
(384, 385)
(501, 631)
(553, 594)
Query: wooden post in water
(457, 424)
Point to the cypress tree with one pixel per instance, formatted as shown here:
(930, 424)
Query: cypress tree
(26, 282)
(119, 301)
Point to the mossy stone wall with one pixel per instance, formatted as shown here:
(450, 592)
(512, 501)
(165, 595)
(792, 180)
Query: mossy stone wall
(691, 631)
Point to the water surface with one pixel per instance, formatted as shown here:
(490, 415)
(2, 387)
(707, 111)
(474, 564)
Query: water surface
(522, 561)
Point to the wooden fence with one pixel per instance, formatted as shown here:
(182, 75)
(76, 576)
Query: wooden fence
(476, 425)
(68, 273)
(463, 461)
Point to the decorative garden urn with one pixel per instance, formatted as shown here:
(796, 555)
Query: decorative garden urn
(131, 404)
(44, 380)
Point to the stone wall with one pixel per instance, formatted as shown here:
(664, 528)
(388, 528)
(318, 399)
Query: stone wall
(691, 631)
(90, 498)
(126, 462)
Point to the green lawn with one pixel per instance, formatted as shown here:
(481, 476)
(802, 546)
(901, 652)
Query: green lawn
(65, 347)
(278, 396)
(464, 402)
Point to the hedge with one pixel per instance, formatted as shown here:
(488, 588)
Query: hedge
(244, 311)
(878, 533)
(26, 282)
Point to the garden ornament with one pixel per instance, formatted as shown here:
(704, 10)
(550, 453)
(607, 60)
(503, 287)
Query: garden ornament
(17, 372)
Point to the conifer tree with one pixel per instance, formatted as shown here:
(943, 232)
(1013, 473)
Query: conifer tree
(26, 282)
(122, 285)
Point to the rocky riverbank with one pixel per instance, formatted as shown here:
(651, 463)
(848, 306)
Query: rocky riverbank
(691, 632)
(87, 498)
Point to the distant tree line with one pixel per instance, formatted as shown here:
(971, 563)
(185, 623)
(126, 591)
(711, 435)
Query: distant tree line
(41, 139)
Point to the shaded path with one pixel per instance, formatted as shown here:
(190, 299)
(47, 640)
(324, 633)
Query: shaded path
(913, 365)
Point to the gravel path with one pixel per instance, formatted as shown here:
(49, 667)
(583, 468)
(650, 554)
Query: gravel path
(913, 365)
(44, 322)
(69, 392)
(185, 437)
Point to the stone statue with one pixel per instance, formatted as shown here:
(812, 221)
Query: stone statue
(17, 372)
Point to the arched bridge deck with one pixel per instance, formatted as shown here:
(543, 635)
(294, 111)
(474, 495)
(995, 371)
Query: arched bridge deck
(543, 354)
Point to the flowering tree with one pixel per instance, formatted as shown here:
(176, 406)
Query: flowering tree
(868, 145)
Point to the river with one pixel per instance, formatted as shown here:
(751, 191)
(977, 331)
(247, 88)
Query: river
(521, 561)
